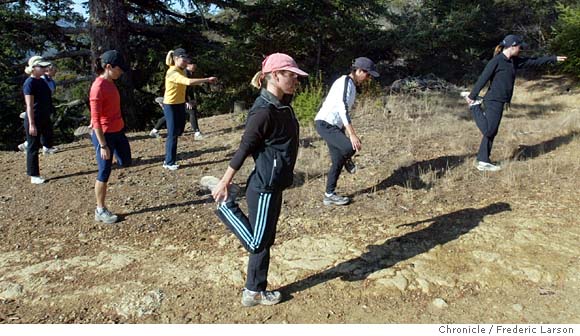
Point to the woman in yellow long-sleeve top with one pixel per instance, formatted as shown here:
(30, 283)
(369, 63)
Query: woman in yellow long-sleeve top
(176, 83)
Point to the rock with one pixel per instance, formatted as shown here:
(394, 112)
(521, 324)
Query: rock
(440, 303)
(10, 290)
(517, 307)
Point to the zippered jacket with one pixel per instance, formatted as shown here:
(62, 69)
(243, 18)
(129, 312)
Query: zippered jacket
(271, 137)
(501, 73)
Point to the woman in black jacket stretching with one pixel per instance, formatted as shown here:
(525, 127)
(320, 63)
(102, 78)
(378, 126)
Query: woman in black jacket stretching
(501, 73)
(271, 137)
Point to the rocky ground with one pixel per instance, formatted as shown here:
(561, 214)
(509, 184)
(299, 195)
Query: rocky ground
(427, 239)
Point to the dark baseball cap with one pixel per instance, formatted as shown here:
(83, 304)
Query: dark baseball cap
(180, 52)
(114, 58)
(513, 40)
(367, 65)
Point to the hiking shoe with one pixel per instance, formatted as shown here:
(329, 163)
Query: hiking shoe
(82, 130)
(154, 133)
(22, 146)
(211, 182)
(105, 216)
(334, 199)
(350, 166)
(478, 100)
(49, 151)
(266, 298)
(171, 167)
(36, 180)
(197, 136)
(486, 166)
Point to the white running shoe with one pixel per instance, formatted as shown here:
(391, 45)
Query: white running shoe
(211, 182)
(171, 167)
(48, 151)
(486, 166)
(23, 146)
(36, 180)
(478, 100)
(197, 136)
(154, 133)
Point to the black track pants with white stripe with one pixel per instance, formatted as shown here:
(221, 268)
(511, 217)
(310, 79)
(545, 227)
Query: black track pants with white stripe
(256, 232)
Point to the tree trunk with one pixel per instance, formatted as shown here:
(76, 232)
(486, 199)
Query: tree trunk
(109, 29)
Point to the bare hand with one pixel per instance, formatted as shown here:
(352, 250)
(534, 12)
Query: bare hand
(32, 130)
(356, 144)
(105, 153)
(212, 80)
(220, 193)
(561, 58)
(469, 100)
(188, 105)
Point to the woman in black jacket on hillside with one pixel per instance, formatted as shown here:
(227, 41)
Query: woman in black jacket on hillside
(500, 72)
(271, 138)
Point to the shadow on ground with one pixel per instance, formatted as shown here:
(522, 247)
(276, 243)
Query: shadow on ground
(410, 176)
(524, 152)
(443, 229)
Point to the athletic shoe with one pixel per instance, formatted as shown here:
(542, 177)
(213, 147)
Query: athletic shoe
(22, 115)
(266, 298)
(154, 133)
(159, 100)
(105, 216)
(22, 146)
(350, 166)
(171, 167)
(486, 166)
(211, 182)
(334, 199)
(48, 151)
(478, 100)
(197, 136)
(82, 130)
(36, 180)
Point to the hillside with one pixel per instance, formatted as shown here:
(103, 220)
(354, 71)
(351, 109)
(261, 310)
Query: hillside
(427, 239)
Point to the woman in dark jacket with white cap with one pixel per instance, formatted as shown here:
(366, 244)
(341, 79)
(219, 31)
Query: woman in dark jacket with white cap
(501, 73)
(333, 119)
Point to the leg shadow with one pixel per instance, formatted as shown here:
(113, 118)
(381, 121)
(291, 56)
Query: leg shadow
(410, 176)
(443, 229)
(524, 152)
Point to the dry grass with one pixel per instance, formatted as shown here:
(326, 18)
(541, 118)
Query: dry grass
(421, 148)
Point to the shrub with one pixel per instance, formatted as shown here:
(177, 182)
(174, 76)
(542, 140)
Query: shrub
(308, 100)
(567, 40)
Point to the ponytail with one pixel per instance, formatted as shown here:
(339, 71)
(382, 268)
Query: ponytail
(99, 68)
(498, 49)
(260, 79)
(169, 59)
(257, 80)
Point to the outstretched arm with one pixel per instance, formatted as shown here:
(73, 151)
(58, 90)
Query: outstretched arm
(528, 62)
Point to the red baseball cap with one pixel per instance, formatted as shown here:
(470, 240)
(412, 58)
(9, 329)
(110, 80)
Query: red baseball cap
(279, 61)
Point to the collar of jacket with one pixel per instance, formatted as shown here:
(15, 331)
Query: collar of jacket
(271, 99)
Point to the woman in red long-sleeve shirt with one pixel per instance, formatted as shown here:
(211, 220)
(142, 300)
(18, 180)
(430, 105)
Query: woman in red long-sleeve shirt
(108, 127)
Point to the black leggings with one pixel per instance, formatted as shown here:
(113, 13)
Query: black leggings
(192, 119)
(340, 149)
(487, 120)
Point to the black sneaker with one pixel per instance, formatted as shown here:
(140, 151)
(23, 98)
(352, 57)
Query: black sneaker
(350, 166)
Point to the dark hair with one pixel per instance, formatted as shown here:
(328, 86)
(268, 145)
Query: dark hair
(99, 66)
